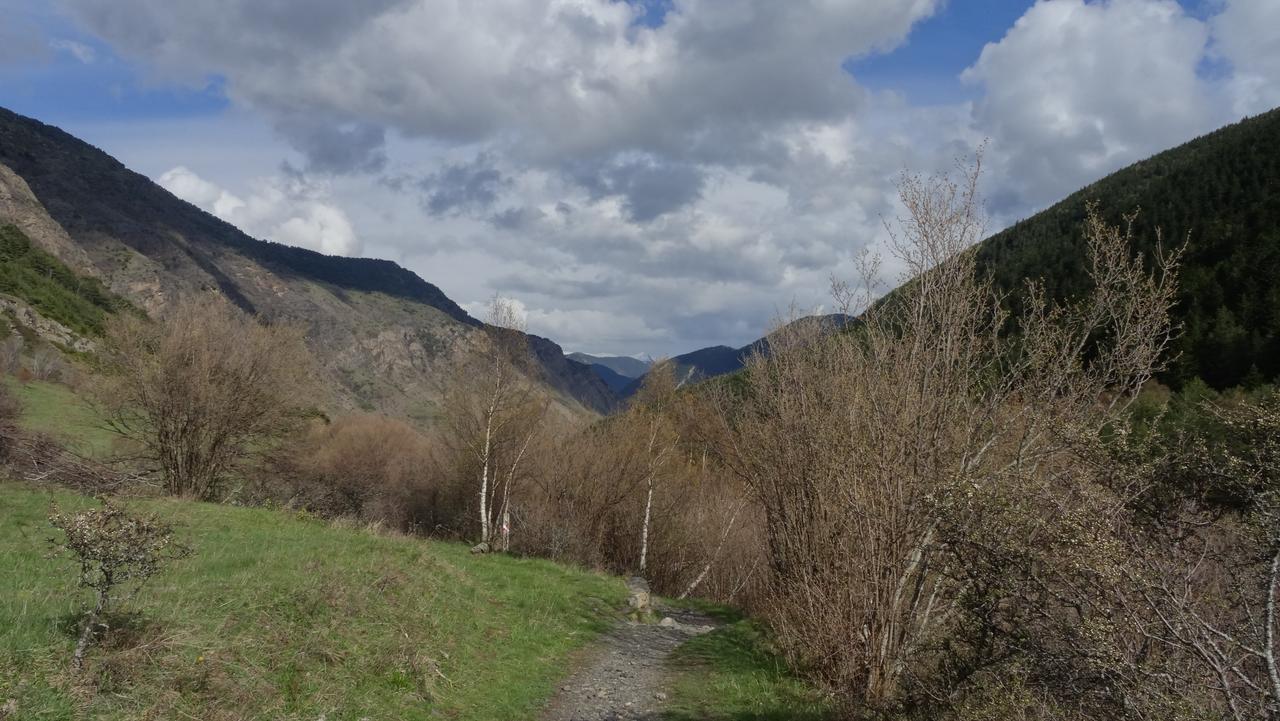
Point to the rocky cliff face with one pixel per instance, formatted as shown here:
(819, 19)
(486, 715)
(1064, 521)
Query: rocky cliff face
(384, 335)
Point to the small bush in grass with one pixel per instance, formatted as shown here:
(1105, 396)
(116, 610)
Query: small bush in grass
(116, 551)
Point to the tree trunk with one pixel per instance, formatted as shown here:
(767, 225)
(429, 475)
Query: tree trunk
(484, 479)
(91, 623)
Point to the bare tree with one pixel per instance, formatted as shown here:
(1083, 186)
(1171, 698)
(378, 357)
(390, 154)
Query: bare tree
(648, 407)
(203, 389)
(867, 447)
(492, 414)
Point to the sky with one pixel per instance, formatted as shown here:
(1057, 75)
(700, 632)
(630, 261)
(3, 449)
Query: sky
(639, 176)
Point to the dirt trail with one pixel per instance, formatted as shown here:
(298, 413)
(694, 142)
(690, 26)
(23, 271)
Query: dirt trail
(625, 677)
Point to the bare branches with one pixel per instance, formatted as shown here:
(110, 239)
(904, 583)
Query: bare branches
(886, 456)
(113, 549)
(198, 391)
(492, 413)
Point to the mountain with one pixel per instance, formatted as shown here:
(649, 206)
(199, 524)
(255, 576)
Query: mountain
(721, 359)
(617, 382)
(1220, 193)
(625, 366)
(383, 334)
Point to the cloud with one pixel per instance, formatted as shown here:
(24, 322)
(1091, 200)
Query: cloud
(463, 187)
(337, 148)
(286, 210)
(1074, 90)
(552, 78)
(649, 187)
(1245, 35)
(75, 49)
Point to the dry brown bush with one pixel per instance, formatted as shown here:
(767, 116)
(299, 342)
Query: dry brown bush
(203, 389)
(11, 354)
(638, 493)
(47, 364)
(373, 468)
(886, 456)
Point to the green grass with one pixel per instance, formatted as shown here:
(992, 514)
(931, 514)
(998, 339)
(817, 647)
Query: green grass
(280, 617)
(733, 674)
(56, 410)
(78, 302)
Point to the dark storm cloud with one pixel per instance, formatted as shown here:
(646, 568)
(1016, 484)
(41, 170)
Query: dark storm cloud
(649, 187)
(337, 147)
(463, 187)
(518, 218)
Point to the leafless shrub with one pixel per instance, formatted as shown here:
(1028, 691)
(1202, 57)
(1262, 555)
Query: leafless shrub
(114, 550)
(879, 453)
(199, 391)
(11, 354)
(47, 364)
(372, 468)
(637, 492)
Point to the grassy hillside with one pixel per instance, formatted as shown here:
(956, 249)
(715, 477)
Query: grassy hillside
(281, 617)
(77, 302)
(55, 410)
(1220, 191)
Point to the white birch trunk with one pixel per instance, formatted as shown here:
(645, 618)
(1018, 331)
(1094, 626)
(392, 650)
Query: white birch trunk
(702, 575)
(484, 480)
(644, 528)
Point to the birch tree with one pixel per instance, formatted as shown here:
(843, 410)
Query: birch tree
(493, 409)
(648, 409)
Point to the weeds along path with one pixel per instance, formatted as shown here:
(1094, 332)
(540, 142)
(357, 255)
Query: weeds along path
(626, 676)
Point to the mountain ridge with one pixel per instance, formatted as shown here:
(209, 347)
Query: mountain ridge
(384, 334)
(1220, 191)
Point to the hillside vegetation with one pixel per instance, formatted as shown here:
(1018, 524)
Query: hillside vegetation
(55, 410)
(29, 273)
(285, 617)
(1220, 193)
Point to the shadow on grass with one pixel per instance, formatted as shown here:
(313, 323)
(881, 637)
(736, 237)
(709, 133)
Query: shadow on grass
(735, 674)
(116, 631)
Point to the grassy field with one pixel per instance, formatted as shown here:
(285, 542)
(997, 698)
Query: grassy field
(278, 616)
(281, 617)
(732, 674)
(53, 409)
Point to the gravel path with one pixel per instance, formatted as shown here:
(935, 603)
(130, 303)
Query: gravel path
(625, 678)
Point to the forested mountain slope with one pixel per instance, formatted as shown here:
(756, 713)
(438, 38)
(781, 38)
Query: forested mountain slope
(1220, 193)
(384, 334)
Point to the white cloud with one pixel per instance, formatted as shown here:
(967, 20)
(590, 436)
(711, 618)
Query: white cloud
(288, 211)
(656, 189)
(75, 49)
(1075, 90)
(1247, 34)
(554, 78)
